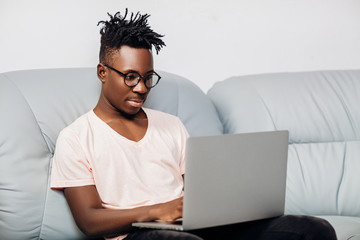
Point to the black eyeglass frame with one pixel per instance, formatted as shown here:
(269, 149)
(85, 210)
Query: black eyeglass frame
(138, 79)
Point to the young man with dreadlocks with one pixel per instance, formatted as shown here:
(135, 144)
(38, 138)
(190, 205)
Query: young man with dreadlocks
(108, 160)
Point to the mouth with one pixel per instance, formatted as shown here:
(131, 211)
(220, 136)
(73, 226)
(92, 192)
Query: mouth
(136, 102)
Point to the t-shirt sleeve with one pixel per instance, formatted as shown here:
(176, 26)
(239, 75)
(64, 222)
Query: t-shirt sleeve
(70, 167)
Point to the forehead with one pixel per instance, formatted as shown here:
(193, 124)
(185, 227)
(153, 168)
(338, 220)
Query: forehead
(128, 58)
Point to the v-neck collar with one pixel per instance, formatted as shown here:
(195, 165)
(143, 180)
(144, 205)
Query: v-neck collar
(118, 135)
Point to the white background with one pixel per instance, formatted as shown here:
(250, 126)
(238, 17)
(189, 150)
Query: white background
(207, 41)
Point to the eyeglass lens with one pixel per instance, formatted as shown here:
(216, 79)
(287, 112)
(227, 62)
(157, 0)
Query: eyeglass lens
(132, 79)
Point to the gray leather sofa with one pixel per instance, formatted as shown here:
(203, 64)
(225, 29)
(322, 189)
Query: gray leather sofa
(320, 109)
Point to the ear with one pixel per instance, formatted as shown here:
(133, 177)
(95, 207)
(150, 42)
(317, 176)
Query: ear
(101, 72)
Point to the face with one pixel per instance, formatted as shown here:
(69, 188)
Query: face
(117, 95)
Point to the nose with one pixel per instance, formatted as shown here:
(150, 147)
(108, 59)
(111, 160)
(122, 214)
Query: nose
(140, 87)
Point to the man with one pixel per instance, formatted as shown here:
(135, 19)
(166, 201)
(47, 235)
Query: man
(121, 163)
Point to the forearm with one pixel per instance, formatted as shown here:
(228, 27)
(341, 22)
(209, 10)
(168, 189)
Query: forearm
(94, 220)
(105, 222)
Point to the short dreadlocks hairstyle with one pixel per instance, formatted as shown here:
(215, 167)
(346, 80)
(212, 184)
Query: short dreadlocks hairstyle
(134, 32)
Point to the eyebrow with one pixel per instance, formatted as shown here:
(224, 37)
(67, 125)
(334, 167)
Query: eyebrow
(133, 71)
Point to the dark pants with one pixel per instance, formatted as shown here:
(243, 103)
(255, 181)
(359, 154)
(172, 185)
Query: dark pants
(288, 227)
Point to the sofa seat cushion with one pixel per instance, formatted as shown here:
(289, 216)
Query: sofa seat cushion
(345, 227)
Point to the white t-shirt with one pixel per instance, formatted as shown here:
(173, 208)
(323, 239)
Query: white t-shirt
(127, 174)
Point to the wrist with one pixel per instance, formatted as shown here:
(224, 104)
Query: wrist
(150, 213)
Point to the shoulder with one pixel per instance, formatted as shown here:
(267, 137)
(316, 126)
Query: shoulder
(80, 125)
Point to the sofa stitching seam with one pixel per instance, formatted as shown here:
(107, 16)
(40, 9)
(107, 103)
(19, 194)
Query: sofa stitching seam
(341, 99)
(342, 178)
(268, 111)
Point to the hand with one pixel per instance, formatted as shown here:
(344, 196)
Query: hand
(169, 211)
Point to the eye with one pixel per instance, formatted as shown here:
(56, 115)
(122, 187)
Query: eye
(149, 77)
(132, 77)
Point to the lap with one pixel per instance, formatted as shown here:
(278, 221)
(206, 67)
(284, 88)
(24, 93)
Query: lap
(148, 234)
(287, 227)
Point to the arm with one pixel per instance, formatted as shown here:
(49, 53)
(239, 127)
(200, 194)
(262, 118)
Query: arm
(94, 220)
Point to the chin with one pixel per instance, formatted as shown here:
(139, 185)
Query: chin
(130, 112)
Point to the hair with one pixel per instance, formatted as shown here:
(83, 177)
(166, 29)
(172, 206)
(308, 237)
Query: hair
(134, 32)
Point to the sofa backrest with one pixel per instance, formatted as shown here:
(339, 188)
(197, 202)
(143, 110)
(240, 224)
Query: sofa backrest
(321, 111)
(35, 106)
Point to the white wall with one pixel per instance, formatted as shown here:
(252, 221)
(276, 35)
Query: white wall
(207, 41)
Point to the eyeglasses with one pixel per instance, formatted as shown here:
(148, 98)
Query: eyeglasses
(132, 79)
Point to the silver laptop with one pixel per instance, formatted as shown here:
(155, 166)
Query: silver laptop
(232, 178)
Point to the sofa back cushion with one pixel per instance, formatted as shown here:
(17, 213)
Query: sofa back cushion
(321, 111)
(35, 106)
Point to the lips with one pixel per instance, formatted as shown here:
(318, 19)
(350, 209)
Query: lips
(136, 102)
